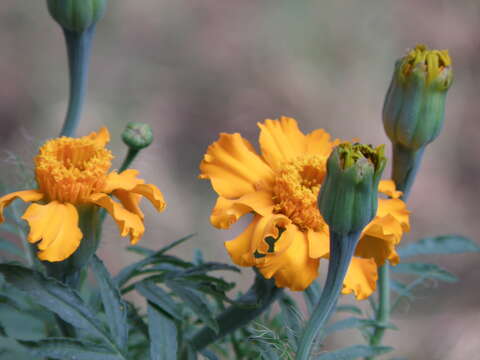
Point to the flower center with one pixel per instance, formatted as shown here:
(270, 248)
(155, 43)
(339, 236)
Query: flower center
(296, 190)
(71, 169)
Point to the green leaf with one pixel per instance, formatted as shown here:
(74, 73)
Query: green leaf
(163, 335)
(209, 354)
(11, 248)
(115, 308)
(426, 270)
(353, 323)
(292, 318)
(445, 244)
(56, 297)
(159, 297)
(349, 308)
(69, 349)
(355, 352)
(400, 288)
(197, 302)
(140, 250)
(311, 295)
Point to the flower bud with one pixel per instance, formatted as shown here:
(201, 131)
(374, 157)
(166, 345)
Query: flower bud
(414, 107)
(77, 15)
(137, 135)
(348, 196)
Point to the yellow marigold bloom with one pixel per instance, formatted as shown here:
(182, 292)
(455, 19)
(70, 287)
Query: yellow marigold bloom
(287, 235)
(72, 173)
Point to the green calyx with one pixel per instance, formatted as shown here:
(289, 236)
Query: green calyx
(414, 107)
(348, 196)
(137, 135)
(77, 15)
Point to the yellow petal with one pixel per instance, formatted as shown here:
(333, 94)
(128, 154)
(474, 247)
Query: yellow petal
(361, 278)
(395, 208)
(239, 248)
(101, 138)
(388, 188)
(293, 268)
(318, 243)
(130, 201)
(226, 212)
(152, 193)
(266, 237)
(126, 180)
(234, 168)
(56, 225)
(128, 223)
(25, 195)
(281, 140)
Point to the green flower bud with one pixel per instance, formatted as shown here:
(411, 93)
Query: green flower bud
(77, 15)
(137, 135)
(414, 107)
(349, 194)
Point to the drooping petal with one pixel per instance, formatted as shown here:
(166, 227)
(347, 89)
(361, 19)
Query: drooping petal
(101, 138)
(127, 181)
(128, 223)
(268, 235)
(239, 248)
(130, 201)
(318, 243)
(395, 208)
(293, 268)
(281, 140)
(56, 225)
(25, 195)
(227, 212)
(388, 188)
(361, 278)
(234, 168)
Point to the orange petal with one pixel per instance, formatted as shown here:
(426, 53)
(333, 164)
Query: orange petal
(126, 180)
(318, 143)
(226, 212)
(361, 278)
(388, 188)
(395, 208)
(239, 248)
(25, 195)
(281, 140)
(267, 235)
(101, 138)
(293, 268)
(318, 243)
(234, 168)
(130, 201)
(128, 223)
(152, 193)
(56, 225)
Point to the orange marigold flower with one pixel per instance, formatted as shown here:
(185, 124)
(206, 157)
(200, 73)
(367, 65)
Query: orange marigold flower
(72, 173)
(287, 235)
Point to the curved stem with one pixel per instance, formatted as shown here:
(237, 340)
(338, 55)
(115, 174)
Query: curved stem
(341, 252)
(131, 155)
(261, 295)
(78, 50)
(406, 163)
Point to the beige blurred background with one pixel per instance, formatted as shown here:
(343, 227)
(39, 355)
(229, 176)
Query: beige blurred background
(194, 68)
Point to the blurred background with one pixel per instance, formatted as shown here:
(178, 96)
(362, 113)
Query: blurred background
(193, 69)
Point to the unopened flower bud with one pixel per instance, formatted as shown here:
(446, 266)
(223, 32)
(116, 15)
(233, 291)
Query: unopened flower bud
(137, 135)
(349, 194)
(77, 15)
(414, 107)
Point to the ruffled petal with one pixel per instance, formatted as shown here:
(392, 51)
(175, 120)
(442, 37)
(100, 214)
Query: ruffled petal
(227, 212)
(101, 138)
(25, 195)
(388, 188)
(318, 143)
(129, 182)
(361, 278)
(293, 268)
(281, 140)
(234, 168)
(239, 248)
(130, 201)
(56, 225)
(128, 223)
(268, 235)
(318, 243)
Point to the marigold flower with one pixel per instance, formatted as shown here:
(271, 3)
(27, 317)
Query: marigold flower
(287, 235)
(72, 173)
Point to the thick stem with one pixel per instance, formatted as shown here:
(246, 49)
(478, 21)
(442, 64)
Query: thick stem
(382, 316)
(341, 252)
(406, 163)
(78, 50)
(262, 293)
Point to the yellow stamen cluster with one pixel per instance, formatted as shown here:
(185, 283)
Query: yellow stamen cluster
(70, 169)
(434, 61)
(296, 190)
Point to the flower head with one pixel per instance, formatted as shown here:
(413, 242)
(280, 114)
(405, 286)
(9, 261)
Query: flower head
(72, 173)
(280, 187)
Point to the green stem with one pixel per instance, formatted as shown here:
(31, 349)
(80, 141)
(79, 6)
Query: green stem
(341, 252)
(382, 316)
(131, 155)
(406, 163)
(78, 50)
(262, 293)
